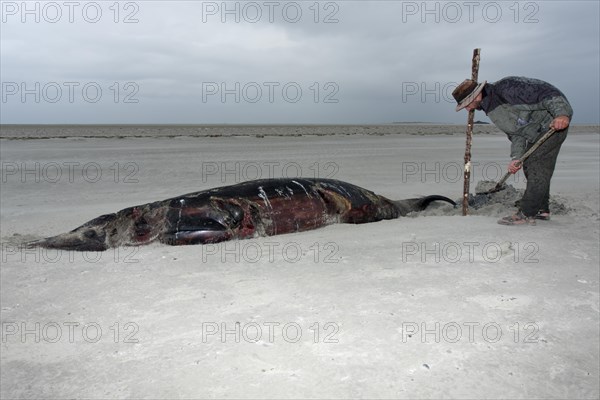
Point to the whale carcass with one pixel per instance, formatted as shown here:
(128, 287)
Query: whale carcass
(264, 207)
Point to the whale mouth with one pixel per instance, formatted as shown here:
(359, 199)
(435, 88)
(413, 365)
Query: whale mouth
(202, 224)
(198, 231)
(210, 222)
(204, 219)
(197, 237)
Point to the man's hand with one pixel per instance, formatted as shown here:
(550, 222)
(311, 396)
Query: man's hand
(514, 166)
(559, 123)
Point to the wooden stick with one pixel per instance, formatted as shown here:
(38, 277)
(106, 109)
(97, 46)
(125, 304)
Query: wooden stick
(467, 171)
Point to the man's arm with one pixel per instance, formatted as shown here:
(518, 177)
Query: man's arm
(560, 109)
(518, 144)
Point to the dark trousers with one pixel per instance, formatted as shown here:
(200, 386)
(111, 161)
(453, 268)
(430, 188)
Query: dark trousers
(538, 169)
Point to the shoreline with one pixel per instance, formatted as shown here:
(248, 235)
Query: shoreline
(28, 132)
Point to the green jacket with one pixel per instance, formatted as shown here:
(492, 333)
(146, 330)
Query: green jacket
(523, 108)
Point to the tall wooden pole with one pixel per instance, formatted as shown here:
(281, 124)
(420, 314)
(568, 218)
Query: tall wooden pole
(467, 171)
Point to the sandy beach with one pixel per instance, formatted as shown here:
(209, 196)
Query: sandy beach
(433, 305)
(170, 131)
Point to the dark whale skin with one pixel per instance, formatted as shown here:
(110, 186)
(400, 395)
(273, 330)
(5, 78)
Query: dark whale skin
(264, 207)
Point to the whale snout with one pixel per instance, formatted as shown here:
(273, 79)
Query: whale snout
(88, 240)
(90, 236)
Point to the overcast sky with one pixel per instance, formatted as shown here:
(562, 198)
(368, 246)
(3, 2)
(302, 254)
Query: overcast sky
(300, 62)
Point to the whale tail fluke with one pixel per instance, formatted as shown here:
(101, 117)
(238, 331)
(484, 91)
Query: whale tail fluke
(425, 201)
(419, 204)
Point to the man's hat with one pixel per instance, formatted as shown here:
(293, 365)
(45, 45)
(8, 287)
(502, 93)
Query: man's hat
(466, 92)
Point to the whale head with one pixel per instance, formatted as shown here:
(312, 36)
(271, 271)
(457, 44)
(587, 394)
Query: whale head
(129, 227)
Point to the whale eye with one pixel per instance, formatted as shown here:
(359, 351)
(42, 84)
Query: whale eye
(91, 234)
(236, 215)
(233, 215)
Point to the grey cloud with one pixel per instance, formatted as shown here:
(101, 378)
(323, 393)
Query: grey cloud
(374, 53)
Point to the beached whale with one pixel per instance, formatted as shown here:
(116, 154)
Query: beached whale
(263, 207)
